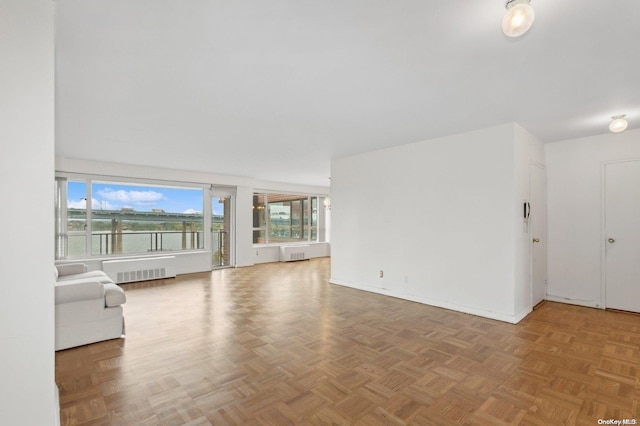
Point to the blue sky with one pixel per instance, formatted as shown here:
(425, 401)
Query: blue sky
(109, 196)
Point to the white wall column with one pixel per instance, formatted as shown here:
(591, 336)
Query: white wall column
(27, 164)
(244, 226)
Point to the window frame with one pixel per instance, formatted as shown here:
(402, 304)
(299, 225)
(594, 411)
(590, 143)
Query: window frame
(306, 217)
(61, 209)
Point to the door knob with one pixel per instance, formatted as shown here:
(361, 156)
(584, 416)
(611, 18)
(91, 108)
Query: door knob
(536, 240)
(611, 240)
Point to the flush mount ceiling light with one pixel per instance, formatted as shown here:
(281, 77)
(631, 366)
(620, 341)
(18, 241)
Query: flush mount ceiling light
(618, 123)
(518, 18)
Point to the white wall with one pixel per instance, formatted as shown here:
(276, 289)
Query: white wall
(575, 219)
(245, 187)
(528, 149)
(244, 226)
(436, 216)
(27, 395)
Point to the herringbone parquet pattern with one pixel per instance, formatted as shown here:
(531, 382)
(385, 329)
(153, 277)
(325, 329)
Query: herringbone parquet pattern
(276, 344)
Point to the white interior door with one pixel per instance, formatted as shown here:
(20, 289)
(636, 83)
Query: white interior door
(538, 227)
(622, 236)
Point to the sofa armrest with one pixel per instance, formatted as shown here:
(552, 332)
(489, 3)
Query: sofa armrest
(113, 295)
(71, 268)
(76, 291)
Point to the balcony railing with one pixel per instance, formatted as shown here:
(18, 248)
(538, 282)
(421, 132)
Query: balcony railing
(152, 241)
(105, 243)
(220, 248)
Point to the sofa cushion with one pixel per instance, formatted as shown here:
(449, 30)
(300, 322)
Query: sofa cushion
(71, 268)
(89, 276)
(113, 295)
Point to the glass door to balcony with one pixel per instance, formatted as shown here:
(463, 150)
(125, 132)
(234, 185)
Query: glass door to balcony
(221, 231)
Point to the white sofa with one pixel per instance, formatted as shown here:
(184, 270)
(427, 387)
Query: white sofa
(88, 306)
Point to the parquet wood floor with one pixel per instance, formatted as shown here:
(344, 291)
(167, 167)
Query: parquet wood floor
(275, 344)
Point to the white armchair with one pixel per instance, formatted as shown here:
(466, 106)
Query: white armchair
(88, 306)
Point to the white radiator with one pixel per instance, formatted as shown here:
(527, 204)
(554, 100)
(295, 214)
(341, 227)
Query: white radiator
(291, 253)
(148, 268)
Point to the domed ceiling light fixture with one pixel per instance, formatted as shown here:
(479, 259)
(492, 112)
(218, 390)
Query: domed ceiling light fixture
(618, 123)
(518, 18)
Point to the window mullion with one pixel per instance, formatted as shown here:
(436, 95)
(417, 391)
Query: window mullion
(309, 218)
(62, 231)
(267, 219)
(88, 227)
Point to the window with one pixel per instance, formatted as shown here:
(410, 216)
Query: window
(126, 218)
(284, 218)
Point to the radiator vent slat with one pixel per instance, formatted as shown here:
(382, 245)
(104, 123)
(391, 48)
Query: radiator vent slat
(130, 270)
(140, 275)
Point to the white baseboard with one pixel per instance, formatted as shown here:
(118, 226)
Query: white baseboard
(57, 404)
(522, 315)
(587, 303)
(513, 319)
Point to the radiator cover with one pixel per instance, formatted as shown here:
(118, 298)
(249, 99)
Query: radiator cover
(141, 269)
(292, 253)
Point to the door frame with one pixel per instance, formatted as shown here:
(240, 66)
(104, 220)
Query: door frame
(530, 234)
(603, 227)
(232, 192)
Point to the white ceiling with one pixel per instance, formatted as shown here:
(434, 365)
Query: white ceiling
(276, 89)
